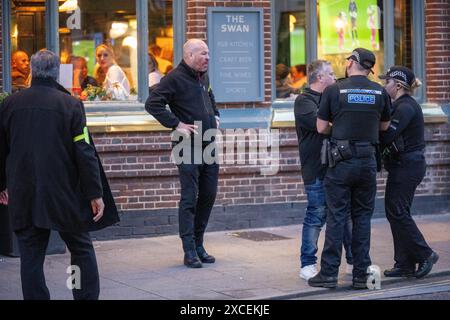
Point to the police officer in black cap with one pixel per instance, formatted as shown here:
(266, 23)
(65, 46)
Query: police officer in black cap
(403, 151)
(356, 109)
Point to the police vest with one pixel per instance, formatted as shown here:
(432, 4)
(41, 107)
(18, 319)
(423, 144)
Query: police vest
(359, 114)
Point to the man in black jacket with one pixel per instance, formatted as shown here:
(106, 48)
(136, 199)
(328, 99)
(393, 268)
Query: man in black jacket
(187, 92)
(53, 179)
(320, 76)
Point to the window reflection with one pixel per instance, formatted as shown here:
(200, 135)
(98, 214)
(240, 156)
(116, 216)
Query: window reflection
(348, 24)
(27, 37)
(290, 71)
(160, 39)
(403, 33)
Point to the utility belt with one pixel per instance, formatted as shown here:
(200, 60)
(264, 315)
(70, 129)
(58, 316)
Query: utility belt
(334, 151)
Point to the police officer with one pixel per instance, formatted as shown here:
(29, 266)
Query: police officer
(403, 150)
(356, 109)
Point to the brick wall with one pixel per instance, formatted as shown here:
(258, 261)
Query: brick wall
(146, 187)
(143, 177)
(196, 27)
(437, 37)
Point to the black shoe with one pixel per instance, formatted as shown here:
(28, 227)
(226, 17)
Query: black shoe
(359, 283)
(398, 273)
(322, 281)
(204, 256)
(426, 266)
(191, 259)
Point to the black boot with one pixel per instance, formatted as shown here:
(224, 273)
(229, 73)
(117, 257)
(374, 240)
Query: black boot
(359, 283)
(426, 266)
(323, 281)
(191, 259)
(398, 273)
(204, 256)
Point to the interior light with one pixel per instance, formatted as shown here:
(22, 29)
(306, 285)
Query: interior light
(69, 5)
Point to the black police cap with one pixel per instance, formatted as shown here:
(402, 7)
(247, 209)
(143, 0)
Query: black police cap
(364, 57)
(400, 73)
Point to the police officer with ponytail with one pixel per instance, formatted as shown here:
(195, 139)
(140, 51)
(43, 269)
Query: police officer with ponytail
(404, 160)
(354, 109)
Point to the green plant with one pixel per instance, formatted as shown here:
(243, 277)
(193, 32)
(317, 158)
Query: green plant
(3, 95)
(92, 93)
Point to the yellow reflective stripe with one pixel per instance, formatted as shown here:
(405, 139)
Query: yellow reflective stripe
(209, 89)
(84, 136)
(78, 138)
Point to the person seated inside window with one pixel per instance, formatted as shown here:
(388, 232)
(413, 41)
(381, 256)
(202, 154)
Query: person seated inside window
(20, 72)
(154, 76)
(163, 64)
(283, 81)
(110, 75)
(80, 73)
(298, 76)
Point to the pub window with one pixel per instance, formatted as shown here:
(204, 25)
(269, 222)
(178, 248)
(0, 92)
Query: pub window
(346, 24)
(160, 39)
(403, 33)
(27, 37)
(290, 67)
(98, 49)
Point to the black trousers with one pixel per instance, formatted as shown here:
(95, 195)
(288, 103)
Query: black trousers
(33, 243)
(350, 187)
(198, 194)
(404, 176)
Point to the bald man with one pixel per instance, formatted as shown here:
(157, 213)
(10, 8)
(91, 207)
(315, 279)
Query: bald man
(20, 73)
(192, 112)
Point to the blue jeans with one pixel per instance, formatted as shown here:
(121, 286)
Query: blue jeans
(315, 217)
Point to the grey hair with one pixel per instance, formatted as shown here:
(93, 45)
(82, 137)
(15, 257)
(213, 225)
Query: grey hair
(316, 68)
(45, 64)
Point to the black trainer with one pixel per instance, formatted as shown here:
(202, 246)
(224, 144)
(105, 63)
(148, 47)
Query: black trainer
(323, 281)
(398, 273)
(204, 256)
(191, 259)
(426, 266)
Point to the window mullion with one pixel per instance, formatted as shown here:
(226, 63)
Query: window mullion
(418, 45)
(389, 34)
(312, 36)
(142, 48)
(52, 25)
(6, 44)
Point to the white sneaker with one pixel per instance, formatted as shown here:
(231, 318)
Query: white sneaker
(308, 271)
(349, 269)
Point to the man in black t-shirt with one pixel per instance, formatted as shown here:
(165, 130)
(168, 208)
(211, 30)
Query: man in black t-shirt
(320, 76)
(358, 109)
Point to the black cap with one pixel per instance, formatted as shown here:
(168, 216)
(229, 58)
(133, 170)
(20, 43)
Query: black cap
(400, 73)
(364, 57)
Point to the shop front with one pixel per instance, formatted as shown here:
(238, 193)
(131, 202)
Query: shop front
(252, 43)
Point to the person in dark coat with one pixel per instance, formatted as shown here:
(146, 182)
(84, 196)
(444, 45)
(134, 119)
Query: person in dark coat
(186, 90)
(51, 179)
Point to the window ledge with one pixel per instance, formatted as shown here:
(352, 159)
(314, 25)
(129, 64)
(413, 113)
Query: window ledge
(433, 113)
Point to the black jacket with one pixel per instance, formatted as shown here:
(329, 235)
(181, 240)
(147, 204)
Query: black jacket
(407, 122)
(50, 177)
(189, 97)
(309, 140)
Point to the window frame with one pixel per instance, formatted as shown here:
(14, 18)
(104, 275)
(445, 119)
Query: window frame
(52, 43)
(418, 53)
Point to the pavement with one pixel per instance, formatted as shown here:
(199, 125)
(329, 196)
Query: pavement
(152, 269)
